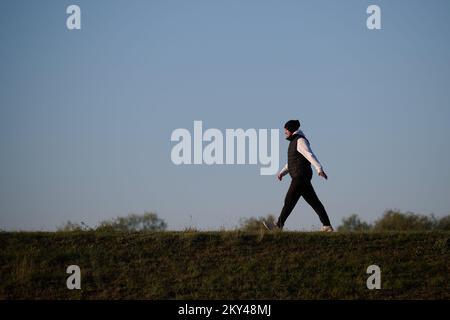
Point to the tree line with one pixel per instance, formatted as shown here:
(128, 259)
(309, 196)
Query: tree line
(391, 220)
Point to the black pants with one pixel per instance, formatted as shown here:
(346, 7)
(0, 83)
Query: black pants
(302, 187)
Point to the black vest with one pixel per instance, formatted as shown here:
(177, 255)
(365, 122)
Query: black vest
(298, 165)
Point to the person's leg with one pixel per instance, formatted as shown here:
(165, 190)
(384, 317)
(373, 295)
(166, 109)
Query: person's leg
(290, 201)
(311, 198)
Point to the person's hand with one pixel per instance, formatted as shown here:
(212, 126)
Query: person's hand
(323, 174)
(280, 177)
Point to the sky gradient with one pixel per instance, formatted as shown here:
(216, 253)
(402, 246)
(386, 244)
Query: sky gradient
(86, 115)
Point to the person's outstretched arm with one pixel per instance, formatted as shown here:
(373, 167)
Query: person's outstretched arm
(305, 149)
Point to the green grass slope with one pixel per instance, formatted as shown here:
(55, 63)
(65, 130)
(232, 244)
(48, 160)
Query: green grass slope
(224, 265)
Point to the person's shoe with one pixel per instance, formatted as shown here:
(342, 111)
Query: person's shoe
(271, 226)
(327, 229)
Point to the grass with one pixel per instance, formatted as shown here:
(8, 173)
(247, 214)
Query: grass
(224, 265)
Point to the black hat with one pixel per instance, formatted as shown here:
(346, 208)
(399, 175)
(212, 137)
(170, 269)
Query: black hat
(292, 125)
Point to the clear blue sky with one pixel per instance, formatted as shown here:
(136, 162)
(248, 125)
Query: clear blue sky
(86, 116)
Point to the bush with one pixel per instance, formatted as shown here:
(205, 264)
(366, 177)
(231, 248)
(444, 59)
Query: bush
(133, 222)
(398, 221)
(73, 226)
(394, 220)
(255, 224)
(443, 223)
(353, 224)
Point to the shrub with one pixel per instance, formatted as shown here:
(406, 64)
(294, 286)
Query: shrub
(133, 222)
(397, 221)
(443, 223)
(255, 224)
(353, 224)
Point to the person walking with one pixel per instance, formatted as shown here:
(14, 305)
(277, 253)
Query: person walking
(300, 158)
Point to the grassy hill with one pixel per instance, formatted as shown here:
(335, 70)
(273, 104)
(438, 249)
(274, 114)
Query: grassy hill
(224, 265)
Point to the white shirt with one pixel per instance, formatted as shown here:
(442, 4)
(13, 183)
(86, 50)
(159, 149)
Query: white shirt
(305, 149)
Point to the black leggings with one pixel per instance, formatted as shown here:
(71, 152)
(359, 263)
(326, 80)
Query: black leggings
(302, 187)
